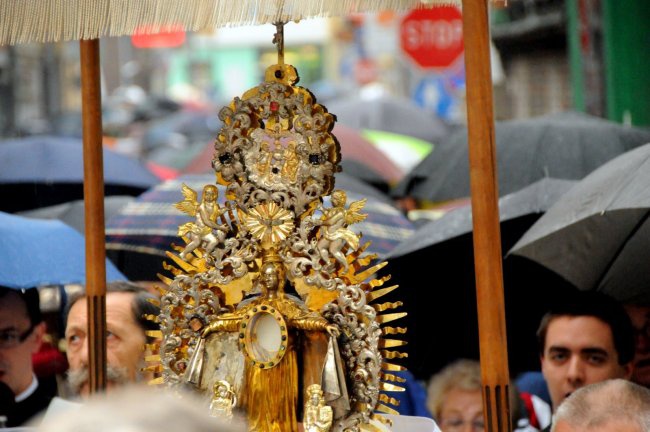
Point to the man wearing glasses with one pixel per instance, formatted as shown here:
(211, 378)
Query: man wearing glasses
(21, 332)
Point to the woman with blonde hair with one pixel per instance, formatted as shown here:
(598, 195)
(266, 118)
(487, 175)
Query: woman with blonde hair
(454, 399)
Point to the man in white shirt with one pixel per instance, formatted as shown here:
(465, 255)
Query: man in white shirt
(21, 333)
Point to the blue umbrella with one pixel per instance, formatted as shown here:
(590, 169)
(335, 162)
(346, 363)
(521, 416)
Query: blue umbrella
(41, 171)
(37, 252)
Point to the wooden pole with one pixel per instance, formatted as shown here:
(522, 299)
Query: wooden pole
(94, 213)
(485, 213)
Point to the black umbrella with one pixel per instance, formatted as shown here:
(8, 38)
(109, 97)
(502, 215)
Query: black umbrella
(529, 203)
(598, 235)
(399, 116)
(42, 171)
(435, 270)
(566, 146)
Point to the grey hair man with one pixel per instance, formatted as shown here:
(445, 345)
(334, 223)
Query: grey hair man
(613, 405)
(127, 306)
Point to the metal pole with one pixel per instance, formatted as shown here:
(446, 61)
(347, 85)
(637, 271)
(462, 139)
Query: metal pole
(485, 213)
(94, 213)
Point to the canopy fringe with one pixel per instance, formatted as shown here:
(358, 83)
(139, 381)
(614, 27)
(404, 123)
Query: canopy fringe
(24, 21)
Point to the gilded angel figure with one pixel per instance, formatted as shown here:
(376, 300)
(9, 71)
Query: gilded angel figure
(335, 232)
(204, 230)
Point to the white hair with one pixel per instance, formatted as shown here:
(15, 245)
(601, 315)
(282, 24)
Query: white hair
(140, 409)
(596, 405)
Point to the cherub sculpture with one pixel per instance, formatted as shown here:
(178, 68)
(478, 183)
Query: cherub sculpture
(223, 400)
(335, 233)
(204, 230)
(317, 417)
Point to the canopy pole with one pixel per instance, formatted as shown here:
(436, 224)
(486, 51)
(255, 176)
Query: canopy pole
(94, 213)
(485, 213)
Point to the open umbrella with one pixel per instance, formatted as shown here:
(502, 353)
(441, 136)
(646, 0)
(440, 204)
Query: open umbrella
(517, 212)
(406, 151)
(37, 252)
(138, 237)
(400, 116)
(42, 171)
(72, 213)
(567, 145)
(598, 235)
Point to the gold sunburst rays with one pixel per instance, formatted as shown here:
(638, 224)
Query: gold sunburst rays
(388, 345)
(269, 223)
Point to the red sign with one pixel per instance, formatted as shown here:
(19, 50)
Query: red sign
(433, 38)
(168, 37)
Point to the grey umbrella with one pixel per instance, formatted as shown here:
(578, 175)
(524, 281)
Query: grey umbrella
(598, 235)
(566, 145)
(72, 212)
(532, 200)
(400, 116)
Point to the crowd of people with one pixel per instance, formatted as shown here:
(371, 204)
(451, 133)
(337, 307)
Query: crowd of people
(594, 357)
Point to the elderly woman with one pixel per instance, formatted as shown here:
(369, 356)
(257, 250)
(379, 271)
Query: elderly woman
(454, 400)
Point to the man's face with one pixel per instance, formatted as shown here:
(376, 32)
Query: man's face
(124, 342)
(640, 317)
(578, 351)
(16, 361)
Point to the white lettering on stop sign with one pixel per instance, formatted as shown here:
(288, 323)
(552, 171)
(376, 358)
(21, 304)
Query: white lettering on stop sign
(439, 35)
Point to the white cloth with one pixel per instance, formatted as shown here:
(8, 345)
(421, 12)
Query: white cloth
(403, 423)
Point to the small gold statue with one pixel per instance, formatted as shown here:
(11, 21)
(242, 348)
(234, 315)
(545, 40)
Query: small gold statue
(318, 417)
(335, 233)
(205, 229)
(223, 400)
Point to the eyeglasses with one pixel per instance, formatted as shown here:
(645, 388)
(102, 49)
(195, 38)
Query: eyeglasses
(12, 338)
(456, 424)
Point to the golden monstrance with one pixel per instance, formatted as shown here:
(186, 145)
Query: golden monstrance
(230, 329)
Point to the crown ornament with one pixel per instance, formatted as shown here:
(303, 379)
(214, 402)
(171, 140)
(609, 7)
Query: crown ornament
(272, 296)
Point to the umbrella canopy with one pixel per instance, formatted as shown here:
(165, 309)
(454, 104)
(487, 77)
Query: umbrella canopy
(43, 170)
(529, 203)
(566, 146)
(138, 237)
(72, 213)
(406, 151)
(181, 129)
(598, 235)
(37, 252)
(400, 116)
(53, 21)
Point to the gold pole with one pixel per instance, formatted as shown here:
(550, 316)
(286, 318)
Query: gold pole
(278, 39)
(485, 213)
(94, 213)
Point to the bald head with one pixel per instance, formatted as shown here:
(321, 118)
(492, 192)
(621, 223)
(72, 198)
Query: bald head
(617, 404)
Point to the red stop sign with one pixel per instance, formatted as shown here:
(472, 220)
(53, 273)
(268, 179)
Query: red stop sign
(433, 38)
